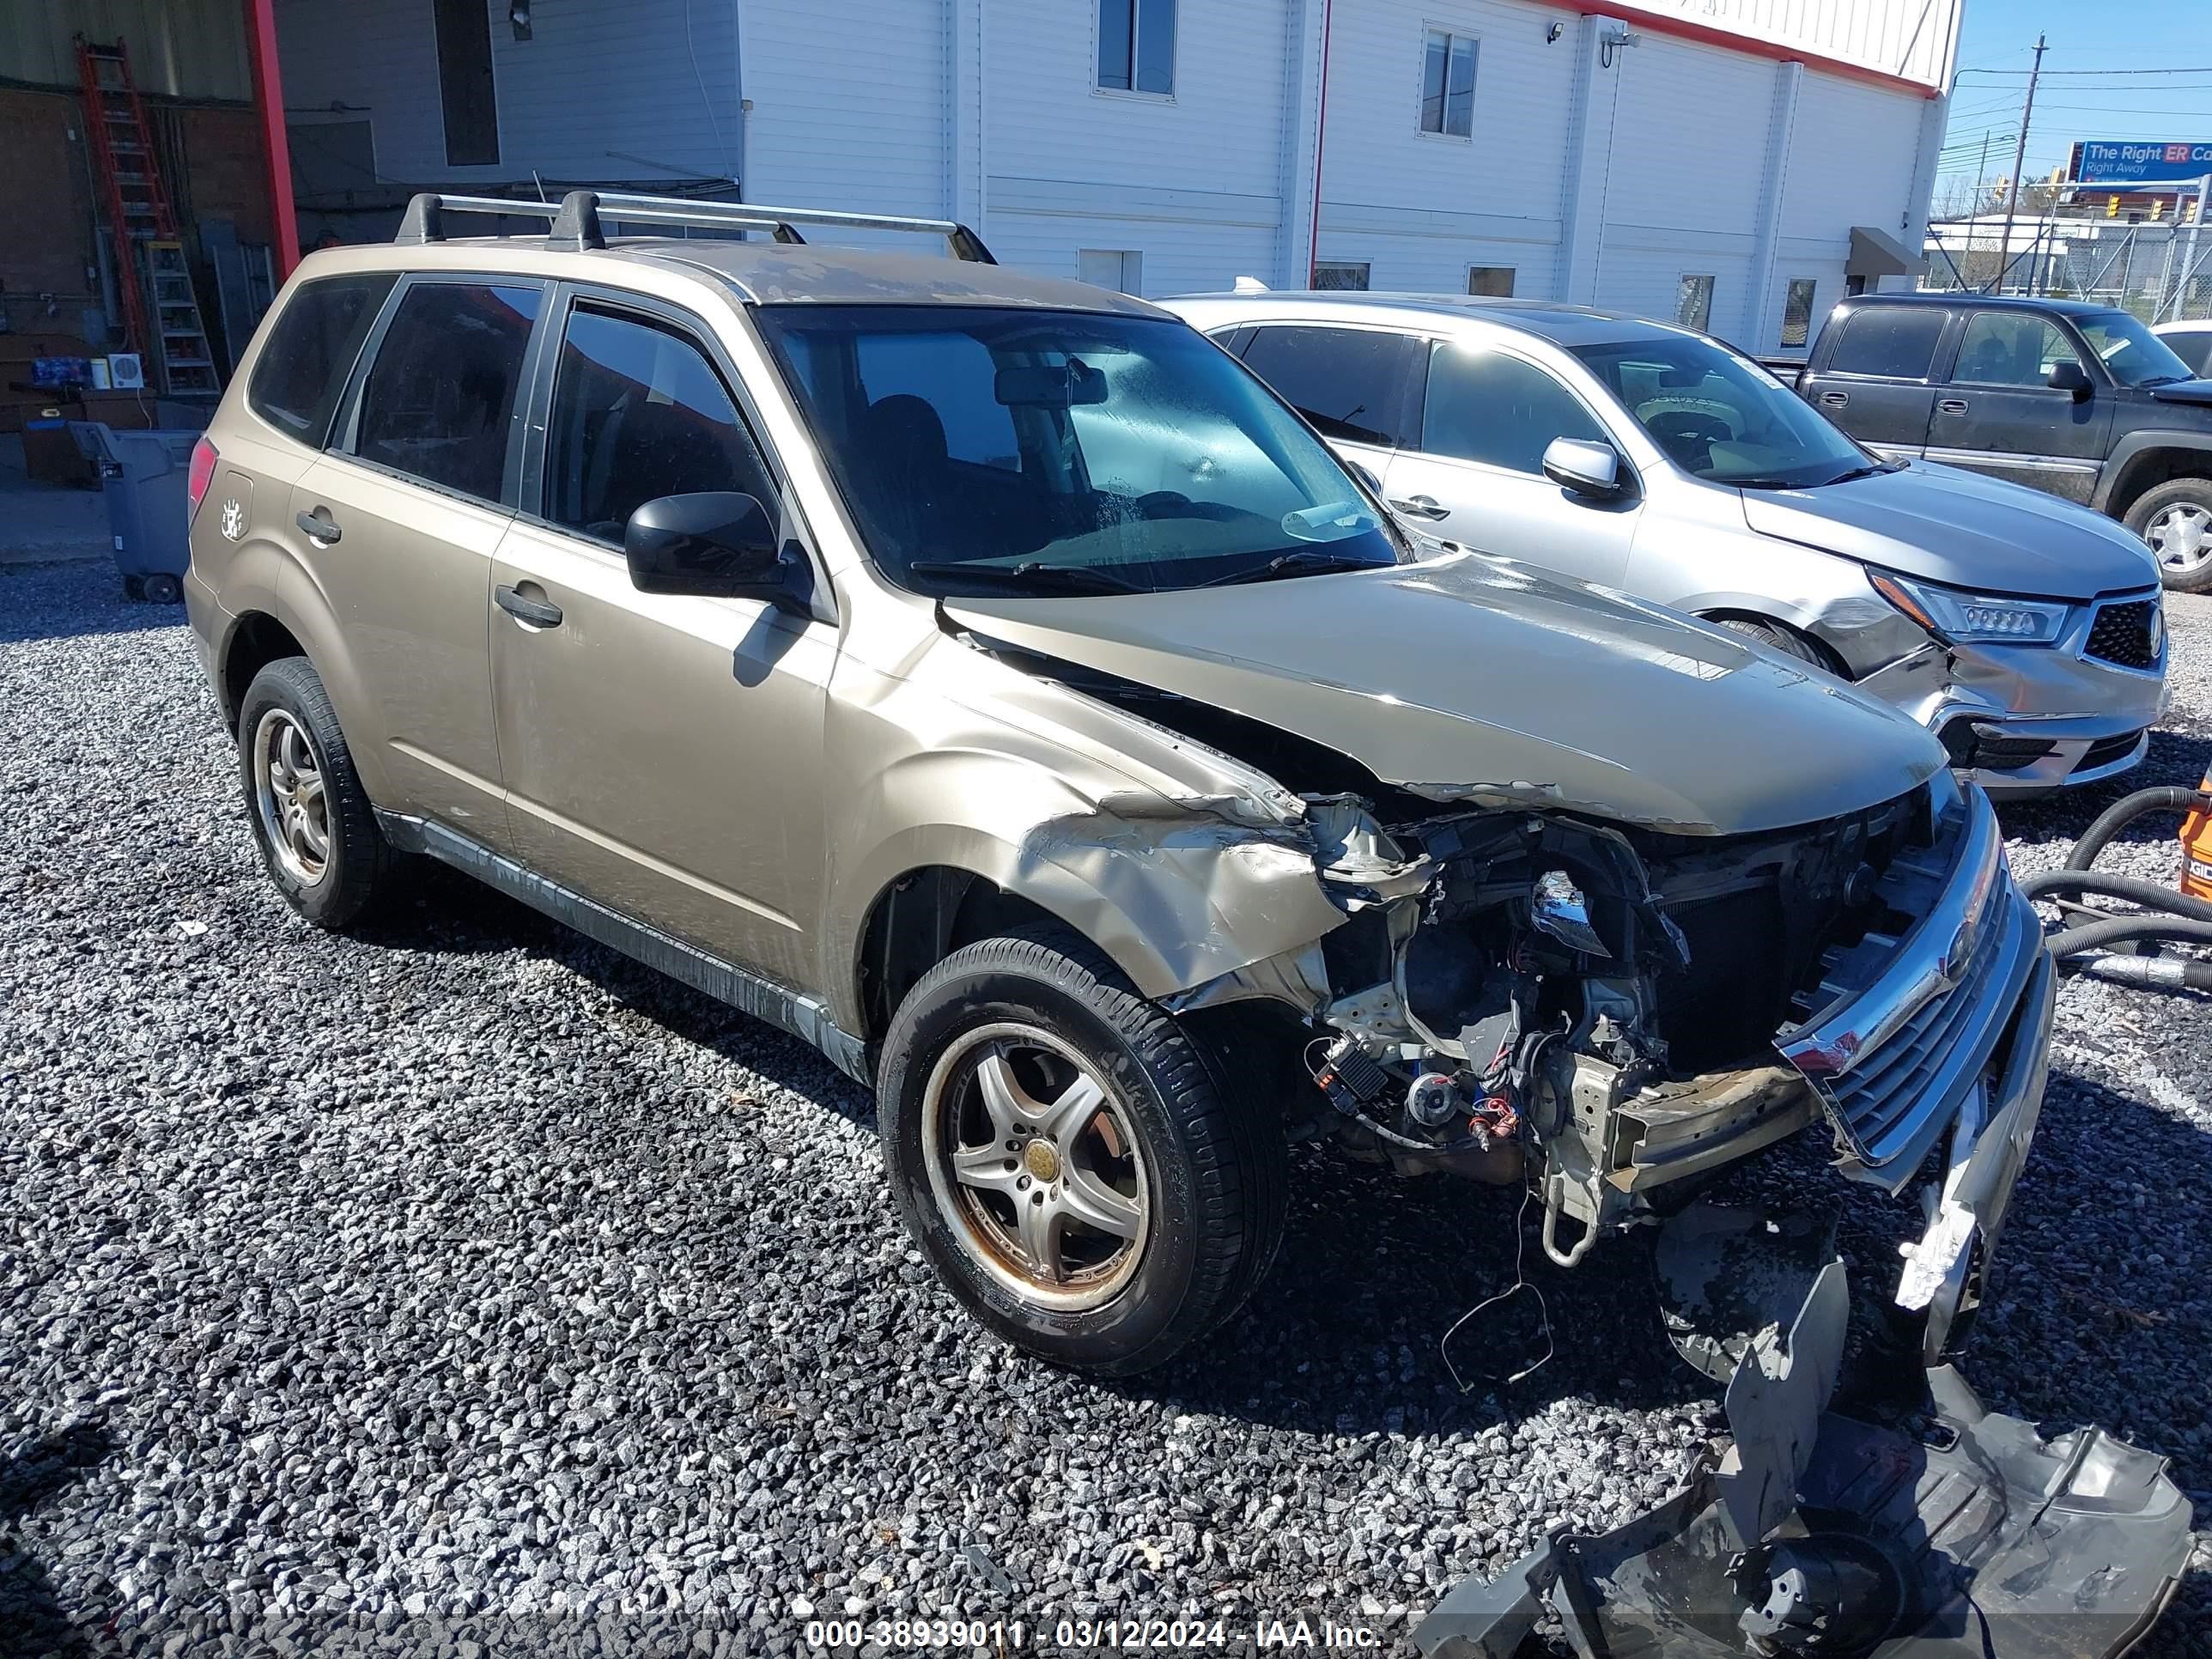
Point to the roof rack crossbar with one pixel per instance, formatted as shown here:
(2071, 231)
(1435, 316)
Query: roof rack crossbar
(576, 218)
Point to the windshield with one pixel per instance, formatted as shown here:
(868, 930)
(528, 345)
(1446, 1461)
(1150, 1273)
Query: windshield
(1721, 417)
(989, 451)
(2133, 355)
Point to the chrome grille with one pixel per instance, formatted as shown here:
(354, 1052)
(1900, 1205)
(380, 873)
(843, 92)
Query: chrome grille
(1907, 1024)
(2125, 634)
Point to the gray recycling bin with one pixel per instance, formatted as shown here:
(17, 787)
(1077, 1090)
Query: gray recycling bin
(142, 475)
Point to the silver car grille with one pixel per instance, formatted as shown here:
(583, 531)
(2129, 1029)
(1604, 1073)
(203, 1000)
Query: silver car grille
(1905, 1024)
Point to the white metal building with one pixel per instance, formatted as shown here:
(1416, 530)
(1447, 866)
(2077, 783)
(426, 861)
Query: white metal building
(1736, 162)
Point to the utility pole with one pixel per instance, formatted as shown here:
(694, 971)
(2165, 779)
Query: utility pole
(2019, 164)
(1981, 176)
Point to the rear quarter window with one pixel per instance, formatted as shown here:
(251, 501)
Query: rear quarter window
(1890, 343)
(302, 369)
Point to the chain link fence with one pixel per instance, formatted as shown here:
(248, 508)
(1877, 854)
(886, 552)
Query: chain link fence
(2159, 272)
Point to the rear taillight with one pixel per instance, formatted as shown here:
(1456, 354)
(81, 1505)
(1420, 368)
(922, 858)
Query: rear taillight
(203, 473)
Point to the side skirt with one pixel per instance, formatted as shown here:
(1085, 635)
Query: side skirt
(804, 1017)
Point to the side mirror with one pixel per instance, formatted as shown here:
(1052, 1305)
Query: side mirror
(1365, 476)
(2067, 375)
(717, 544)
(1584, 467)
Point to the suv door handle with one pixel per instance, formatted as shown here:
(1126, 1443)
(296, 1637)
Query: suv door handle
(538, 613)
(1951, 406)
(319, 525)
(1422, 506)
(1835, 399)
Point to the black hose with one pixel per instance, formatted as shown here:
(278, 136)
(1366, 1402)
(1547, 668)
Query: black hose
(2125, 811)
(2149, 894)
(2101, 935)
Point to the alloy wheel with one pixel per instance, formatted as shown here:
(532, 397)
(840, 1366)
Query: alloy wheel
(1036, 1167)
(2181, 536)
(290, 797)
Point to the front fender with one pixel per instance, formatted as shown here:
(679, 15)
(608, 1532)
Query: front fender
(1175, 892)
(2115, 484)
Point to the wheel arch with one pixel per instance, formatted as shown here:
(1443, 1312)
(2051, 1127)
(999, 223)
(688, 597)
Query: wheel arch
(2144, 460)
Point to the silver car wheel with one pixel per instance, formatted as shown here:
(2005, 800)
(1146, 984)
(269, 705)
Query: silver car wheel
(1035, 1167)
(288, 795)
(2181, 536)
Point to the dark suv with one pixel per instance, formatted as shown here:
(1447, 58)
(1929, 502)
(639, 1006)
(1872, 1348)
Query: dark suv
(2076, 398)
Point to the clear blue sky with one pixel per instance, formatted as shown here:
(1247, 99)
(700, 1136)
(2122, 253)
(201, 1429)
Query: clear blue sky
(2132, 36)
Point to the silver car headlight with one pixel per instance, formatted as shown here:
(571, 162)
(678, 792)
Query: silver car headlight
(1953, 614)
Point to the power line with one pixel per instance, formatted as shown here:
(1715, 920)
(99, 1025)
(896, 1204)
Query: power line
(2031, 74)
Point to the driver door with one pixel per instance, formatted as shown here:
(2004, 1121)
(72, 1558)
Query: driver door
(1998, 417)
(662, 752)
(1486, 418)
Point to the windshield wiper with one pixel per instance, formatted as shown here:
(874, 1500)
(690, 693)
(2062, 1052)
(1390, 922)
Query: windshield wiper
(1031, 573)
(1302, 562)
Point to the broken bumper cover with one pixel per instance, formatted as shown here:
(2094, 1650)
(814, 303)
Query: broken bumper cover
(1978, 1537)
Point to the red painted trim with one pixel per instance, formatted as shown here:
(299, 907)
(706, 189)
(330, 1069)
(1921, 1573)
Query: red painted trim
(275, 148)
(1321, 139)
(1667, 23)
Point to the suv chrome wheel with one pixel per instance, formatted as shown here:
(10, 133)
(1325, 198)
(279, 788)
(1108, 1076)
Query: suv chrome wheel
(1035, 1167)
(290, 795)
(2181, 535)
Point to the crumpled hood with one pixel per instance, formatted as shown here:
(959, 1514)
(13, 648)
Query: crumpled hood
(1470, 679)
(1950, 525)
(2198, 391)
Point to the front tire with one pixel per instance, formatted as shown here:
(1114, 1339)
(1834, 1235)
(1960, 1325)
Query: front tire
(1058, 1147)
(1775, 637)
(2176, 521)
(311, 818)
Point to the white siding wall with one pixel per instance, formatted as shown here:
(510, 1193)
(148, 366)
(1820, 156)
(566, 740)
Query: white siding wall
(1600, 181)
(601, 91)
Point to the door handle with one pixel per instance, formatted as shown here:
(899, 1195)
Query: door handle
(319, 525)
(1951, 406)
(1422, 506)
(1835, 399)
(538, 613)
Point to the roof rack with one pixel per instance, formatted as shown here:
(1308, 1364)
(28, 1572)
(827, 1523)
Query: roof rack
(576, 219)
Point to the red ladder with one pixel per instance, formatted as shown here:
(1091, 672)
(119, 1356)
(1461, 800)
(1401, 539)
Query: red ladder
(129, 180)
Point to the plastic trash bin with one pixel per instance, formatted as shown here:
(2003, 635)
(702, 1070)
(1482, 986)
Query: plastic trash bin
(142, 474)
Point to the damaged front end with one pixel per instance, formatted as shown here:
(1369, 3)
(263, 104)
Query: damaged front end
(1926, 1527)
(1612, 1012)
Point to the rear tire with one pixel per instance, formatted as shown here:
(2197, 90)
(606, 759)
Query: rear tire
(1027, 1090)
(310, 819)
(1775, 637)
(2176, 521)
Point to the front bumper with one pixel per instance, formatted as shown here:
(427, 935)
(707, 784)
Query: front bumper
(2024, 719)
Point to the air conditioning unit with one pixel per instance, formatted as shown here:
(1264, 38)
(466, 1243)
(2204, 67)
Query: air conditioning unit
(126, 372)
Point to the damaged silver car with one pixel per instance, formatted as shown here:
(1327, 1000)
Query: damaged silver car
(989, 680)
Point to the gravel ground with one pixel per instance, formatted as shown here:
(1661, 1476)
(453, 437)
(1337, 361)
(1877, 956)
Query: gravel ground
(471, 1290)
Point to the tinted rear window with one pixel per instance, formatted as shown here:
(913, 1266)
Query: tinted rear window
(436, 402)
(1349, 382)
(302, 370)
(1896, 343)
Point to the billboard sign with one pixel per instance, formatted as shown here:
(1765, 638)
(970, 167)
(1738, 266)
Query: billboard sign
(2099, 161)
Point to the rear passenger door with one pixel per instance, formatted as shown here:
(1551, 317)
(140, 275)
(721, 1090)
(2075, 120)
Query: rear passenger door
(662, 752)
(1878, 380)
(1476, 469)
(1354, 384)
(395, 524)
(1998, 415)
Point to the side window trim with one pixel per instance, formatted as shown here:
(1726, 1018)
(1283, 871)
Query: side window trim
(1594, 415)
(345, 424)
(1413, 374)
(544, 369)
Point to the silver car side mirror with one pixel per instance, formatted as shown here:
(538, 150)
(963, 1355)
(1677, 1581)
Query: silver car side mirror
(1584, 467)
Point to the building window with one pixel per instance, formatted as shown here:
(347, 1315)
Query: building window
(1339, 274)
(1448, 84)
(1136, 46)
(1490, 282)
(1120, 268)
(1797, 311)
(1694, 305)
(464, 82)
